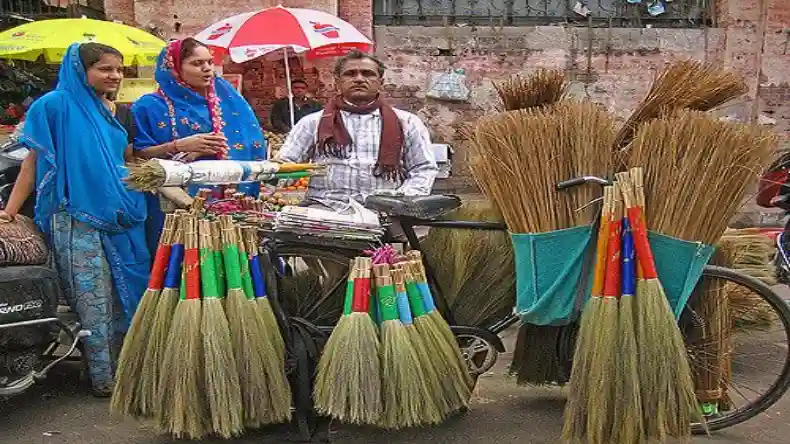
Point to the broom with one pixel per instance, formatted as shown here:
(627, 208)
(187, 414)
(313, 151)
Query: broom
(154, 352)
(435, 403)
(279, 390)
(668, 395)
(245, 335)
(348, 386)
(125, 399)
(182, 403)
(544, 87)
(222, 376)
(263, 307)
(575, 426)
(601, 398)
(628, 425)
(404, 391)
(448, 363)
(417, 271)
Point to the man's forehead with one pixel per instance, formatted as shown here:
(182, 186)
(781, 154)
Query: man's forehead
(360, 65)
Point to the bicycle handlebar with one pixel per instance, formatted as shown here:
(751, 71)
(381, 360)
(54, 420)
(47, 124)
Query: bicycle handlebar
(576, 181)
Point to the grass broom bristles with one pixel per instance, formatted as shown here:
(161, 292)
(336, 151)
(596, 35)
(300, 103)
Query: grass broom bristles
(584, 357)
(154, 351)
(695, 164)
(125, 399)
(601, 398)
(434, 401)
(448, 363)
(222, 376)
(628, 425)
(685, 84)
(669, 400)
(544, 87)
(263, 307)
(182, 392)
(403, 390)
(273, 369)
(349, 382)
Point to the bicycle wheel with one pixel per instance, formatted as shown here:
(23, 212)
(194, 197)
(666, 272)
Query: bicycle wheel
(727, 357)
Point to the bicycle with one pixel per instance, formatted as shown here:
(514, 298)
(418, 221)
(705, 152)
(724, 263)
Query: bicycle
(306, 329)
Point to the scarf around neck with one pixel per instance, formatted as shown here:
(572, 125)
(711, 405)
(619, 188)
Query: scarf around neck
(334, 139)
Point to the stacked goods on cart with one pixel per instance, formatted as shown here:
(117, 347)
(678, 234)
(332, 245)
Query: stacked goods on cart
(392, 360)
(274, 141)
(157, 173)
(356, 223)
(693, 164)
(285, 192)
(204, 355)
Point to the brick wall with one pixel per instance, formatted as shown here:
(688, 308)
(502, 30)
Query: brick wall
(751, 38)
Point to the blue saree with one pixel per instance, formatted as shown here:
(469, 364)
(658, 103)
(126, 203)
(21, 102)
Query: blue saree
(176, 111)
(94, 223)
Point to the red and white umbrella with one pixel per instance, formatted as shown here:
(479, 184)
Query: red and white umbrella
(253, 34)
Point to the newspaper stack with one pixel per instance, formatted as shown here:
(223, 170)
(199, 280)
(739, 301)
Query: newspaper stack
(358, 223)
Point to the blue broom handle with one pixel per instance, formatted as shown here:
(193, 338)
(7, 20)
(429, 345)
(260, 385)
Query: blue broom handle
(628, 269)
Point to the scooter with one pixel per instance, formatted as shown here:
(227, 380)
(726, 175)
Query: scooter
(37, 330)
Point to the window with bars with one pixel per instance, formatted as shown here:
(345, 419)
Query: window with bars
(619, 13)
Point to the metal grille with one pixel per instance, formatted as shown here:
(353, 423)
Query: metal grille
(619, 13)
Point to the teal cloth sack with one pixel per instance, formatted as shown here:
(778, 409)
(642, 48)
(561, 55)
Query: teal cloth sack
(549, 267)
(679, 264)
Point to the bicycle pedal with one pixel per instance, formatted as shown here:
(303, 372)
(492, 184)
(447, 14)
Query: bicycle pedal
(710, 408)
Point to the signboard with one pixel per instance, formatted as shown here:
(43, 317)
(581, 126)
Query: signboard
(132, 89)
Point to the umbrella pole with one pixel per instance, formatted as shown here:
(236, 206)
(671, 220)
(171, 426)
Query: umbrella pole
(288, 84)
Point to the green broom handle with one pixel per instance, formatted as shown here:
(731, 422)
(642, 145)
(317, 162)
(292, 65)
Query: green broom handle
(246, 278)
(387, 302)
(416, 303)
(347, 303)
(208, 274)
(220, 272)
(232, 267)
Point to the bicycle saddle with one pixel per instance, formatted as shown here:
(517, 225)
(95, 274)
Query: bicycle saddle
(420, 207)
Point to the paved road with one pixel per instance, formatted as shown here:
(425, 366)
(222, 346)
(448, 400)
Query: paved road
(59, 412)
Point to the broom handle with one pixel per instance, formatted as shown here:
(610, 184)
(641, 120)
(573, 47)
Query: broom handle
(173, 273)
(361, 301)
(387, 302)
(643, 252)
(192, 273)
(404, 311)
(602, 246)
(159, 267)
(628, 264)
(258, 281)
(232, 267)
(611, 286)
(208, 273)
(415, 300)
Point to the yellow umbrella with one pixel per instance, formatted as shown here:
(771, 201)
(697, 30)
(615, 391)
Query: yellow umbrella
(52, 37)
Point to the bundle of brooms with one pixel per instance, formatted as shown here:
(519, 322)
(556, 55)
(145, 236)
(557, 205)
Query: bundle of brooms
(542, 88)
(526, 153)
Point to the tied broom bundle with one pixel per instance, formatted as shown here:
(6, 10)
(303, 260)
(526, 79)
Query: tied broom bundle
(182, 403)
(279, 390)
(435, 404)
(685, 84)
(348, 386)
(575, 426)
(603, 372)
(416, 270)
(125, 399)
(222, 376)
(403, 389)
(263, 307)
(544, 87)
(669, 401)
(526, 153)
(245, 334)
(446, 357)
(154, 353)
(628, 426)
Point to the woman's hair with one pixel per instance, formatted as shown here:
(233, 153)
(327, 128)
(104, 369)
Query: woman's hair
(91, 53)
(188, 46)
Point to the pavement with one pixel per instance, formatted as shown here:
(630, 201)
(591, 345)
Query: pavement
(59, 411)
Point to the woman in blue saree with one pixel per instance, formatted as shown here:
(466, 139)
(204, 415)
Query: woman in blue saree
(95, 225)
(194, 115)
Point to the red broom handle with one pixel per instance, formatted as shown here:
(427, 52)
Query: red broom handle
(157, 279)
(361, 301)
(644, 254)
(192, 272)
(611, 285)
